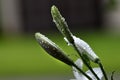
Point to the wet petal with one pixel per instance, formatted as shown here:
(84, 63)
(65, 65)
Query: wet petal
(78, 75)
(83, 47)
(97, 71)
(79, 63)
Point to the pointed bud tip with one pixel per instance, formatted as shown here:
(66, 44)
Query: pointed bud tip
(52, 49)
(37, 35)
(53, 7)
(54, 10)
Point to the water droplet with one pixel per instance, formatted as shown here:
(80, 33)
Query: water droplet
(84, 48)
(42, 41)
(63, 19)
(62, 30)
(54, 21)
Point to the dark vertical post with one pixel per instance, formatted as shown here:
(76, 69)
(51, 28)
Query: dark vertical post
(64, 8)
(35, 15)
(98, 13)
(0, 19)
(79, 14)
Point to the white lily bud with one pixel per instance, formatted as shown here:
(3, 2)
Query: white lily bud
(84, 48)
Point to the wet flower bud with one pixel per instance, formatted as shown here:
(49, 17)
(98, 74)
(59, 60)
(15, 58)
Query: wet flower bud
(61, 23)
(84, 48)
(52, 49)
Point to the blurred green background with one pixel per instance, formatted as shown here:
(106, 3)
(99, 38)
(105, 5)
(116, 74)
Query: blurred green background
(21, 57)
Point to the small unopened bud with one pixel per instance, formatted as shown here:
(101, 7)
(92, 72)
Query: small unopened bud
(84, 48)
(61, 23)
(52, 49)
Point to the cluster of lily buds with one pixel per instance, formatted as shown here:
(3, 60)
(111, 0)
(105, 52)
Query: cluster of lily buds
(83, 49)
(62, 26)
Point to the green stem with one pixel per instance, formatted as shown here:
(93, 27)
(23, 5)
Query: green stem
(89, 67)
(82, 72)
(103, 71)
(112, 75)
(63, 28)
(92, 70)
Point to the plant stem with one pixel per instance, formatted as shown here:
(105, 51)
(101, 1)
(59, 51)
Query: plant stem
(112, 75)
(92, 70)
(82, 72)
(103, 71)
(89, 67)
(63, 28)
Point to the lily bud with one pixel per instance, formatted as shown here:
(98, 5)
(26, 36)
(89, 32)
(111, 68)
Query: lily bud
(84, 48)
(52, 49)
(61, 24)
